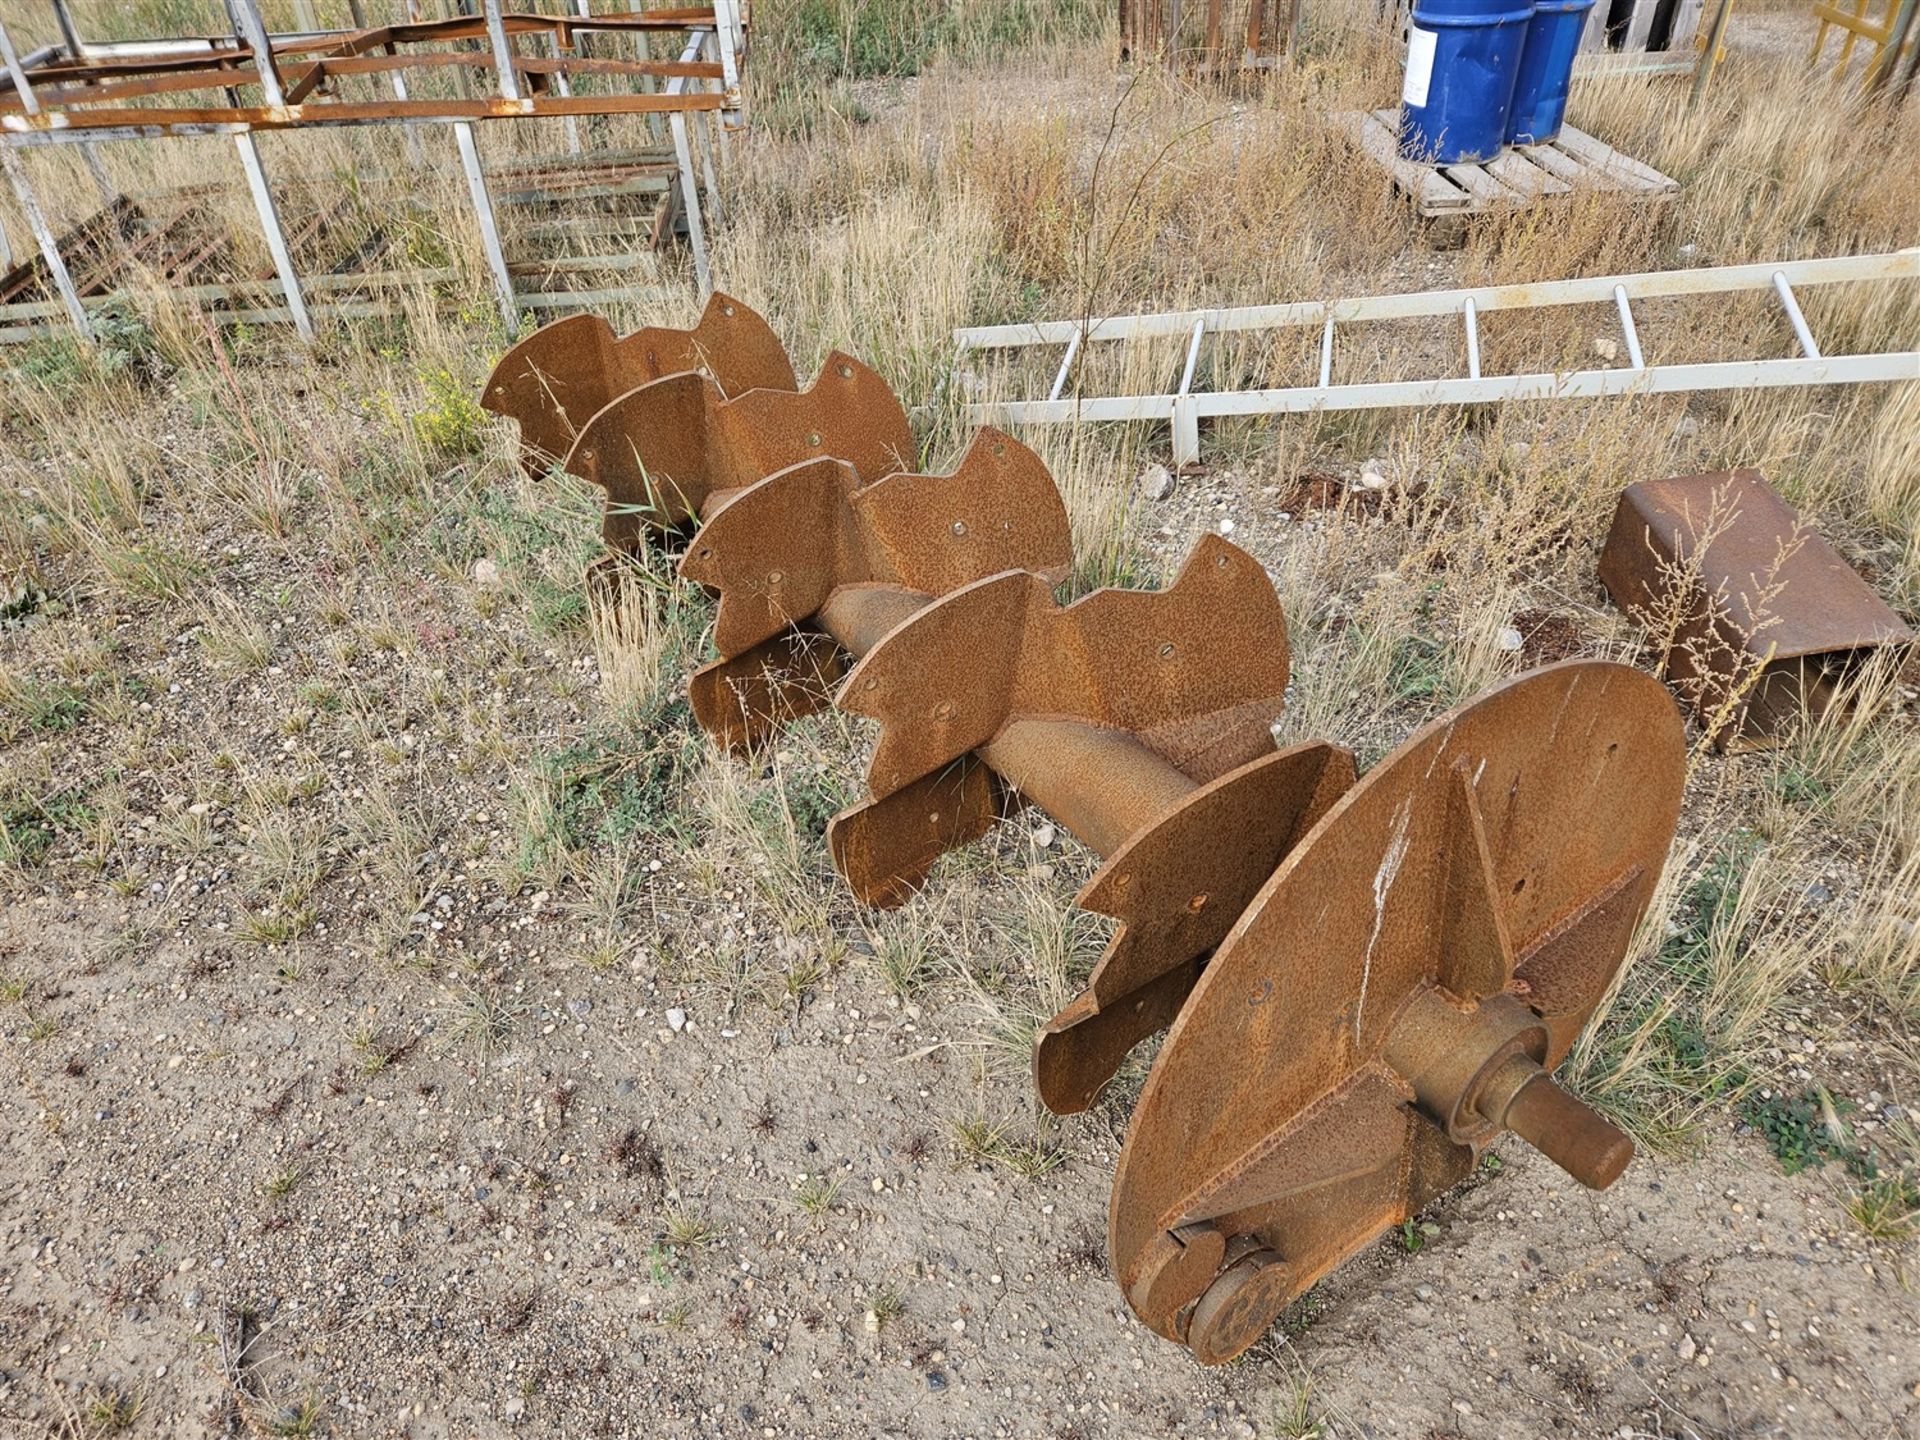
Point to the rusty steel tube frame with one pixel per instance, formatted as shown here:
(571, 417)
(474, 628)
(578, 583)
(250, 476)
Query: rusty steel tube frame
(252, 53)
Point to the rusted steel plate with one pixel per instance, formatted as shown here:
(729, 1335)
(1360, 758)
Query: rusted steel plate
(776, 551)
(1166, 766)
(1195, 672)
(811, 550)
(664, 450)
(558, 378)
(742, 699)
(1177, 886)
(1393, 997)
(885, 849)
(1766, 620)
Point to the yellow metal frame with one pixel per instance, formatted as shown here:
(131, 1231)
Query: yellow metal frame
(1857, 26)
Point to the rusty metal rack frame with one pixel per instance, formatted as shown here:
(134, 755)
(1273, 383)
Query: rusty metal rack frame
(1185, 406)
(164, 237)
(1247, 34)
(76, 93)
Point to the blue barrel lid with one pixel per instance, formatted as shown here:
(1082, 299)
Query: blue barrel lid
(1470, 12)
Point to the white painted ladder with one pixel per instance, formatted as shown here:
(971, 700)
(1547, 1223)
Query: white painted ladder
(1185, 407)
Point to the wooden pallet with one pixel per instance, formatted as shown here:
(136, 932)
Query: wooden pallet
(1521, 175)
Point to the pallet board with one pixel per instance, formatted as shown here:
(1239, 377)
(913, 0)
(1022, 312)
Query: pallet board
(1520, 176)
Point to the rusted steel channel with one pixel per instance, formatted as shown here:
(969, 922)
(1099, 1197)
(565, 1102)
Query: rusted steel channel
(1364, 983)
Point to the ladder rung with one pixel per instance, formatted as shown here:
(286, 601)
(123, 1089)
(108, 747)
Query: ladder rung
(1628, 328)
(1193, 356)
(1794, 317)
(1066, 366)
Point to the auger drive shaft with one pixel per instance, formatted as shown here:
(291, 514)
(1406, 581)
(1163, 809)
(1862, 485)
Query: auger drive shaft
(557, 379)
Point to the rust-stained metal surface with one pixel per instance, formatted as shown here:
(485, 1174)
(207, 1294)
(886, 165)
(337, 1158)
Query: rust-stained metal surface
(1766, 620)
(668, 452)
(558, 378)
(1366, 982)
(1195, 673)
(1177, 885)
(1395, 996)
(208, 84)
(1141, 721)
(811, 556)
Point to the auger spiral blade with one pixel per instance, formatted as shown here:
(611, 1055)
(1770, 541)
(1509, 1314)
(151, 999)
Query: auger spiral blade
(812, 558)
(1141, 720)
(1395, 997)
(558, 378)
(674, 451)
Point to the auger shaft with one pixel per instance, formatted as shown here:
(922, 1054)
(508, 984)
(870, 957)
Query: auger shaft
(858, 617)
(1102, 785)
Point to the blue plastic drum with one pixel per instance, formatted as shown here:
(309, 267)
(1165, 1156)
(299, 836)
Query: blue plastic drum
(1463, 59)
(1546, 71)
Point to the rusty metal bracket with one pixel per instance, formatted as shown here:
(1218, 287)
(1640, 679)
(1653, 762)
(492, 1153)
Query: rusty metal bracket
(810, 560)
(557, 379)
(1395, 997)
(1766, 619)
(675, 450)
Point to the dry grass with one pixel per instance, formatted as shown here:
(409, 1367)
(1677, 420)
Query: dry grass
(294, 541)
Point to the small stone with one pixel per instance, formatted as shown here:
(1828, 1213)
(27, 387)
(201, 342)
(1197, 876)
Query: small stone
(871, 1322)
(1688, 1349)
(935, 1380)
(485, 572)
(1509, 638)
(677, 1019)
(1606, 347)
(1373, 480)
(1462, 1407)
(579, 1009)
(1226, 527)
(1043, 836)
(1156, 482)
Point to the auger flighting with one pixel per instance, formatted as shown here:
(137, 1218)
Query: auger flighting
(1363, 983)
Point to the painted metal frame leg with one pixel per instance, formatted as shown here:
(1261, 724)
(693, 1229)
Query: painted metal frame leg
(45, 238)
(489, 230)
(269, 212)
(690, 202)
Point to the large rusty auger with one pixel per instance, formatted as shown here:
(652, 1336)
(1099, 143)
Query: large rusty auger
(557, 379)
(1363, 984)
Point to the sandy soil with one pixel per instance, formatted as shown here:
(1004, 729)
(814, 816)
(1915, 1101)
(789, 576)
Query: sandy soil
(472, 1247)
